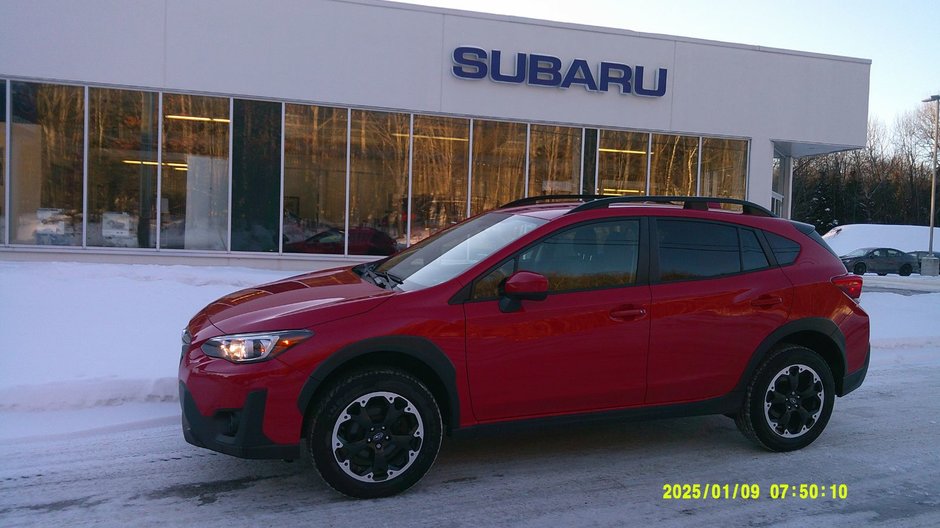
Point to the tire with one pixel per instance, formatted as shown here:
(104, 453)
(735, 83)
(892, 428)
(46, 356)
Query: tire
(905, 270)
(860, 268)
(882, 274)
(778, 417)
(346, 446)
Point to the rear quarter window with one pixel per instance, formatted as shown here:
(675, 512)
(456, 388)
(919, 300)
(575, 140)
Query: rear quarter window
(784, 249)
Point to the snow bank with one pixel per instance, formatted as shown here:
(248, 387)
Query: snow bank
(87, 336)
(845, 238)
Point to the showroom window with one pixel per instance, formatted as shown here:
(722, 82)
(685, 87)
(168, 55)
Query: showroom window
(122, 168)
(378, 182)
(256, 175)
(438, 174)
(47, 164)
(195, 179)
(314, 179)
(499, 154)
(621, 162)
(554, 160)
(674, 166)
(724, 168)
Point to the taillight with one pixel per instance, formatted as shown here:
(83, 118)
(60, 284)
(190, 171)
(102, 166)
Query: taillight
(850, 284)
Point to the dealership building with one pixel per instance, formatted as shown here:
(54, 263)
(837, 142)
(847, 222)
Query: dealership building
(302, 133)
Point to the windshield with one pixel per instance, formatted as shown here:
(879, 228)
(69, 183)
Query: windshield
(858, 252)
(453, 251)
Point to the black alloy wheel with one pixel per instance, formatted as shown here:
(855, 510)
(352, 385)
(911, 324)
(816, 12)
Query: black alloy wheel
(905, 270)
(859, 268)
(789, 401)
(375, 433)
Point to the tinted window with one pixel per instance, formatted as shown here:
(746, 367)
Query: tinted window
(785, 250)
(598, 255)
(692, 250)
(488, 286)
(752, 255)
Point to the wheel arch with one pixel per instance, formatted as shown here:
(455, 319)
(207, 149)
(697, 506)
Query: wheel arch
(415, 355)
(817, 334)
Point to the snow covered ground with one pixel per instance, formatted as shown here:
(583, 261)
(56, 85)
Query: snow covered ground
(89, 430)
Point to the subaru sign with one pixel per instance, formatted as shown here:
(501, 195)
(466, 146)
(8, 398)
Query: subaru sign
(546, 70)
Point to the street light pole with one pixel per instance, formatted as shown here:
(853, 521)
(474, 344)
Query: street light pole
(929, 265)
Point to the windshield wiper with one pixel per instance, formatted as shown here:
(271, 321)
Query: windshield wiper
(382, 279)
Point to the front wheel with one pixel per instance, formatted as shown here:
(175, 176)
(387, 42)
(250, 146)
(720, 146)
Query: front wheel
(860, 268)
(789, 401)
(375, 433)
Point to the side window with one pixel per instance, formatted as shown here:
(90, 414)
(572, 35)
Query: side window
(785, 250)
(695, 250)
(487, 287)
(752, 254)
(894, 254)
(590, 256)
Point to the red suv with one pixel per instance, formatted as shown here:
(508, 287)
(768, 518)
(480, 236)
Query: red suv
(546, 308)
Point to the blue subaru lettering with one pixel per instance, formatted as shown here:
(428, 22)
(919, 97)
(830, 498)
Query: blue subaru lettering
(496, 68)
(470, 62)
(615, 73)
(544, 70)
(580, 73)
(658, 91)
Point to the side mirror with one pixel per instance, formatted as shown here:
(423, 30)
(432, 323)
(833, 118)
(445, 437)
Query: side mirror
(522, 285)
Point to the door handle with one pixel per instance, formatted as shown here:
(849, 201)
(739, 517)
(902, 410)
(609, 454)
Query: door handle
(627, 313)
(766, 301)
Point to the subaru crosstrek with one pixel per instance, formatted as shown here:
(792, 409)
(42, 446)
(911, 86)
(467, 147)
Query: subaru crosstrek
(548, 307)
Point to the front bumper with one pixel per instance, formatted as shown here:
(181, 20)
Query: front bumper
(236, 432)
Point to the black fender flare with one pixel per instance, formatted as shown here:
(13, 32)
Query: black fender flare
(419, 349)
(814, 325)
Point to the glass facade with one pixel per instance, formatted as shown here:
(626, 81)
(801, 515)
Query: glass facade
(104, 167)
(438, 174)
(723, 162)
(314, 179)
(621, 162)
(499, 152)
(256, 175)
(378, 182)
(195, 176)
(674, 165)
(554, 160)
(122, 168)
(47, 164)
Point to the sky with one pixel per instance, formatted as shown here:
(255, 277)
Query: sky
(900, 37)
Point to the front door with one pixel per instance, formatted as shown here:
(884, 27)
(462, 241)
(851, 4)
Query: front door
(583, 348)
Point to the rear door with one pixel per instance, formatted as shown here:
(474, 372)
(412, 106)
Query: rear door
(715, 297)
(582, 348)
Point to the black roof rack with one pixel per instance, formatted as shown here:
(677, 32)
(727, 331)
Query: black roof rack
(532, 200)
(698, 203)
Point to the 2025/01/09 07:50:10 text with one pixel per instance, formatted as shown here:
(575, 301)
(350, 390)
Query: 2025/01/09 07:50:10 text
(753, 491)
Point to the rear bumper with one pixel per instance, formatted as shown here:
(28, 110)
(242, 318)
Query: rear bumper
(855, 379)
(236, 432)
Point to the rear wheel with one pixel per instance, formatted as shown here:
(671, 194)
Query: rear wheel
(789, 401)
(905, 270)
(375, 433)
(860, 268)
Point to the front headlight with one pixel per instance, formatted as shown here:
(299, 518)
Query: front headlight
(248, 348)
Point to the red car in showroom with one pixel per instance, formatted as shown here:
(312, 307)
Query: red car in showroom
(547, 308)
